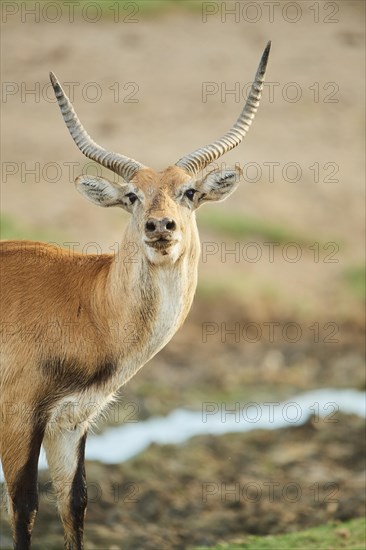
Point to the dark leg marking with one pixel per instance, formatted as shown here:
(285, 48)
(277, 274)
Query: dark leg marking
(24, 493)
(78, 501)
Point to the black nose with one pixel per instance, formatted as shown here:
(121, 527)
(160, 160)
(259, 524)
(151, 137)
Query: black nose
(155, 225)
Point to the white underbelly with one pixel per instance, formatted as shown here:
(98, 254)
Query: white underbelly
(78, 408)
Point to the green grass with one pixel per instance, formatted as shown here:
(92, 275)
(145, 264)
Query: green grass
(235, 226)
(126, 11)
(234, 287)
(355, 279)
(349, 535)
(151, 6)
(9, 229)
(12, 229)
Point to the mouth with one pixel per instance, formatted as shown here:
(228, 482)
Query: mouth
(160, 243)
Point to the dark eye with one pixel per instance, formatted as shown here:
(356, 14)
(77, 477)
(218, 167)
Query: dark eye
(190, 193)
(132, 197)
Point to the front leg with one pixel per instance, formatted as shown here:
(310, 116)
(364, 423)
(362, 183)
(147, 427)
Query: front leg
(65, 451)
(21, 443)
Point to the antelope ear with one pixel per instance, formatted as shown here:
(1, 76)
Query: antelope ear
(218, 185)
(103, 192)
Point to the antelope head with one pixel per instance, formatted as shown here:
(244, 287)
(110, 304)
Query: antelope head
(162, 204)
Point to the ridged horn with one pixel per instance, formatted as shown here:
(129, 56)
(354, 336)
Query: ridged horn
(124, 166)
(200, 158)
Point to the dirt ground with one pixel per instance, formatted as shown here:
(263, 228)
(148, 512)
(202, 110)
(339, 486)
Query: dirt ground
(152, 78)
(219, 489)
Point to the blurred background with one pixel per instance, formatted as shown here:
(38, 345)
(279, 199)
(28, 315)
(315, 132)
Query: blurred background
(279, 310)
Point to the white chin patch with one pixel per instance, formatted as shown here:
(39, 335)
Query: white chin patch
(168, 255)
